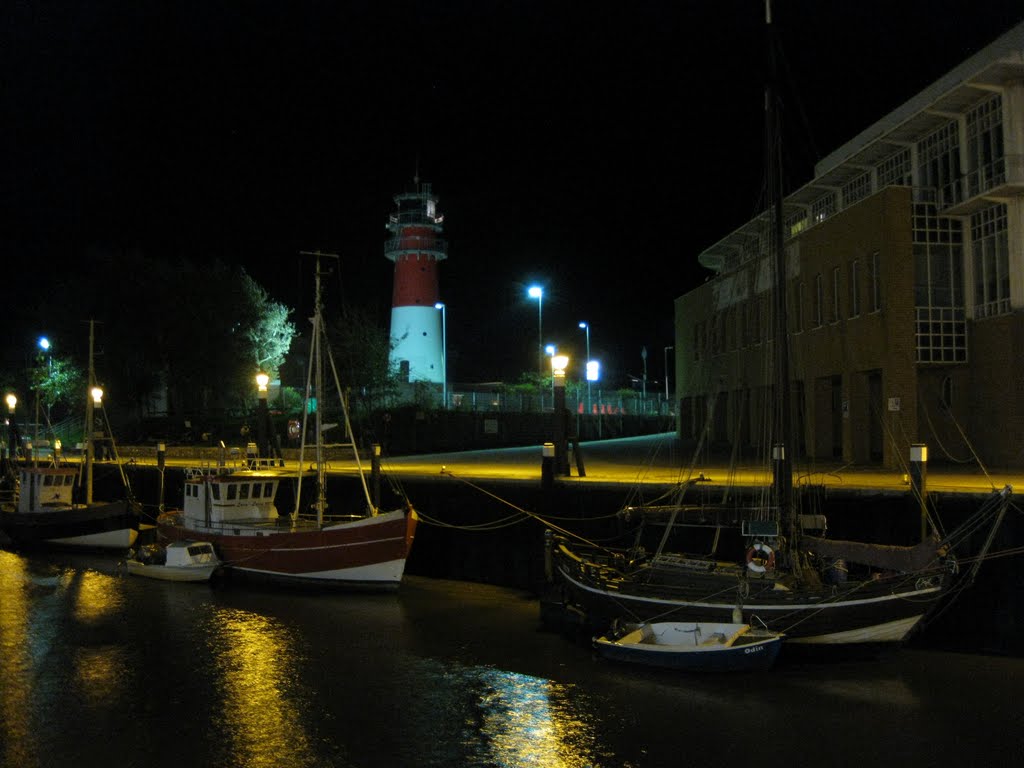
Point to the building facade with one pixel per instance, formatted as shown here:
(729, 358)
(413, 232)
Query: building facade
(905, 290)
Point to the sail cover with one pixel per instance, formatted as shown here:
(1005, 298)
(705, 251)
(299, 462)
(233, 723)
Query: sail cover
(889, 557)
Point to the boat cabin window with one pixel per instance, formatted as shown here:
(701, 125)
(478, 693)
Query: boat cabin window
(232, 492)
(216, 492)
(200, 549)
(47, 480)
(243, 491)
(268, 489)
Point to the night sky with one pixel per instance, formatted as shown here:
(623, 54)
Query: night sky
(594, 148)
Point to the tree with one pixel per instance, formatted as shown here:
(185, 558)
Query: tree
(362, 351)
(59, 382)
(270, 332)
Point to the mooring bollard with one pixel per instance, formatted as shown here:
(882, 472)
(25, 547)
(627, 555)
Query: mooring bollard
(919, 480)
(547, 466)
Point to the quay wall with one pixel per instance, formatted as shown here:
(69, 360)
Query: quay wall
(493, 532)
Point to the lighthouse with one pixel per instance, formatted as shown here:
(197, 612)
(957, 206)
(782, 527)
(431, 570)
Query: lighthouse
(416, 248)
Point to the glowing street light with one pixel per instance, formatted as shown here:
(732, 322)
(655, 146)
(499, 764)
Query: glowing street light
(586, 326)
(262, 417)
(536, 292)
(97, 396)
(559, 363)
(444, 351)
(12, 401)
(44, 345)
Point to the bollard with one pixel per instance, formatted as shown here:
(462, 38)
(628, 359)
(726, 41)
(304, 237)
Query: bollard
(918, 481)
(375, 473)
(161, 462)
(547, 466)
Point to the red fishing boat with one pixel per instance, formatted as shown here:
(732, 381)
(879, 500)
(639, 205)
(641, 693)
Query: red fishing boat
(235, 510)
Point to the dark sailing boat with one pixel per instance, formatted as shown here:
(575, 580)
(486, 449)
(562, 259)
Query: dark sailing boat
(815, 590)
(41, 509)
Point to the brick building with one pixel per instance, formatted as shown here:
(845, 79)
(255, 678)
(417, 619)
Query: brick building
(905, 283)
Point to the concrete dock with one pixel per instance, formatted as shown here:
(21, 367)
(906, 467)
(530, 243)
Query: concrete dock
(627, 462)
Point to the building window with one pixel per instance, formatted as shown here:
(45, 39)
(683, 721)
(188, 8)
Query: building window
(819, 290)
(876, 282)
(796, 223)
(854, 288)
(857, 188)
(991, 252)
(835, 294)
(823, 207)
(940, 324)
(938, 168)
(986, 165)
(895, 170)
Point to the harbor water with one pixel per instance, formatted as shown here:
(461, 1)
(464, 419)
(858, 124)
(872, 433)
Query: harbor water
(101, 668)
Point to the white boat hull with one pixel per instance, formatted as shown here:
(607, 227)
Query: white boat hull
(172, 572)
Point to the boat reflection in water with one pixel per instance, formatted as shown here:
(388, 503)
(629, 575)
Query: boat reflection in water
(102, 669)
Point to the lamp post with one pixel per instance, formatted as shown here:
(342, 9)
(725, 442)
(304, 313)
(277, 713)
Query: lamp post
(666, 371)
(94, 401)
(44, 345)
(262, 447)
(536, 292)
(444, 352)
(643, 354)
(558, 365)
(586, 326)
(12, 401)
(549, 350)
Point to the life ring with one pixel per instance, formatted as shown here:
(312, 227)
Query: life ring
(760, 558)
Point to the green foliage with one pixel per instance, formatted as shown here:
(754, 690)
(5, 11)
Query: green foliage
(199, 328)
(59, 382)
(266, 326)
(362, 351)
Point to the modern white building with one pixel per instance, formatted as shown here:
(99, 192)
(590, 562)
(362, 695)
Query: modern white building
(905, 284)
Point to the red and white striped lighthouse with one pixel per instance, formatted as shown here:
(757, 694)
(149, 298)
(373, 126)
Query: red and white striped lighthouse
(416, 247)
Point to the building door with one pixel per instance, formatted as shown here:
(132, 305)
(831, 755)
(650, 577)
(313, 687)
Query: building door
(875, 416)
(837, 417)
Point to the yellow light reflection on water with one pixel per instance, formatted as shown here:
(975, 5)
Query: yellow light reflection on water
(100, 670)
(15, 664)
(255, 660)
(97, 596)
(531, 721)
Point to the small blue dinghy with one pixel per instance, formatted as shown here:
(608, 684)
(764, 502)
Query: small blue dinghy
(693, 646)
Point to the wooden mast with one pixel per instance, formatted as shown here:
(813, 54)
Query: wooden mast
(782, 451)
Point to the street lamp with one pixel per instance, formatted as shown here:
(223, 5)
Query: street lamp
(666, 371)
(262, 388)
(95, 401)
(558, 365)
(549, 350)
(44, 345)
(586, 326)
(536, 292)
(444, 351)
(12, 401)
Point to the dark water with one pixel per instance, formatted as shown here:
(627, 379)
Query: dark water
(98, 669)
